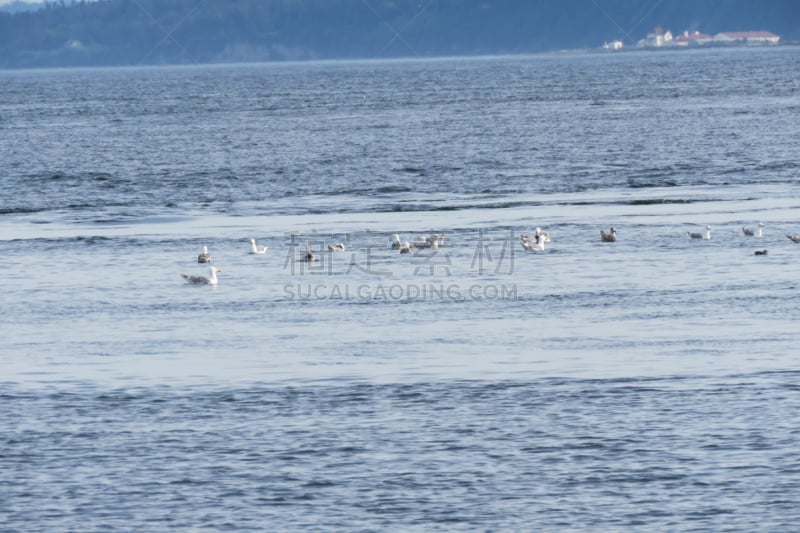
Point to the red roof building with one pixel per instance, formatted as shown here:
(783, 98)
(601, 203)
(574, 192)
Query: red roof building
(749, 37)
(692, 39)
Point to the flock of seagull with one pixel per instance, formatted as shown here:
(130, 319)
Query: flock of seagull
(535, 242)
(255, 248)
(205, 257)
(433, 242)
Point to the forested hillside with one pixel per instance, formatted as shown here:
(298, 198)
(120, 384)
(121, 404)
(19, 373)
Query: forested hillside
(130, 32)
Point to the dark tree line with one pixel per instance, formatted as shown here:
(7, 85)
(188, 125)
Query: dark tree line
(125, 32)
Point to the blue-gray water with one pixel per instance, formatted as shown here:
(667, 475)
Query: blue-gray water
(650, 383)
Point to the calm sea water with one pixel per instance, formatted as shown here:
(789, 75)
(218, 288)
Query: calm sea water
(650, 383)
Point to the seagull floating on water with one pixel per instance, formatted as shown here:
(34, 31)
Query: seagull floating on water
(761, 252)
(339, 247)
(396, 242)
(754, 233)
(257, 248)
(537, 235)
(794, 237)
(543, 235)
(406, 248)
(204, 257)
(202, 280)
(535, 243)
(309, 255)
(608, 236)
(695, 235)
(434, 241)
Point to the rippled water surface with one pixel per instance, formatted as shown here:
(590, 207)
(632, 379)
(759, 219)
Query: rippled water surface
(650, 383)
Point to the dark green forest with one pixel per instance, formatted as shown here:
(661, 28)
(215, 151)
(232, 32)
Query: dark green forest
(141, 32)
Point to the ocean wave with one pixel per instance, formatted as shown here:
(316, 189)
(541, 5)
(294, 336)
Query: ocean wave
(634, 184)
(21, 210)
(659, 201)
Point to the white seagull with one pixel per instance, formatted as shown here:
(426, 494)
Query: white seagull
(608, 236)
(695, 235)
(543, 235)
(202, 280)
(407, 248)
(204, 257)
(537, 235)
(396, 242)
(434, 241)
(309, 255)
(427, 242)
(535, 244)
(794, 237)
(339, 247)
(257, 248)
(757, 233)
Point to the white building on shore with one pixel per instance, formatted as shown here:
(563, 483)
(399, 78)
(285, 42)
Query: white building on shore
(746, 37)
(692, 39)
(613, 45)
(656, 38)
(660, 38)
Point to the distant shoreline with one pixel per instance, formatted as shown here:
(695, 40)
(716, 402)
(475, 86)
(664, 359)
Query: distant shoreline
(694, 47)
(388, 60)
(666, 49)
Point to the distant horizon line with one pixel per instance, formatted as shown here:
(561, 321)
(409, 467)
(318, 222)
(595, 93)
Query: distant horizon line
(412, 59)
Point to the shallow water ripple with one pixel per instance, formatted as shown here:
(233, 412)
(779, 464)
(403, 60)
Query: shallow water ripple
(624, 453)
